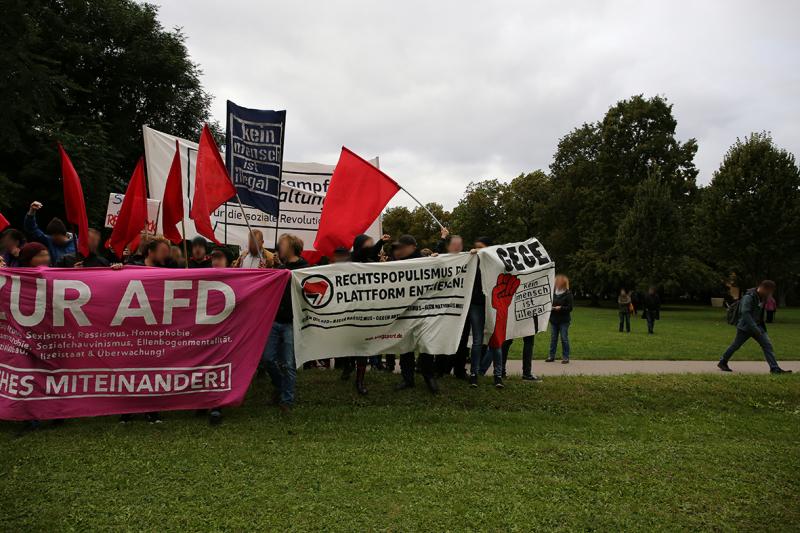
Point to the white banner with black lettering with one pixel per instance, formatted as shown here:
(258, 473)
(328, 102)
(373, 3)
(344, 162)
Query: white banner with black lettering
(518, 283)
(357, 309)
(303, 190)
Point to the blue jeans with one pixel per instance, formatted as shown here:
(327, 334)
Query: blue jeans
(561, 330)
(762, 340)
(494, 357)
(477, 318)
(279, 359)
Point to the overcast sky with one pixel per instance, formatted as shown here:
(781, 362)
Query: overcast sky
(448, 92)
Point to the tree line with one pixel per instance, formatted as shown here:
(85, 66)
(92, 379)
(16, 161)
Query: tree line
(620, 207)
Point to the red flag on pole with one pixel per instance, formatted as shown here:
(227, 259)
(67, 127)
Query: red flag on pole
(132, 217)
(212, 186)
(172, 203)
(356, 196)
(73, 201)
(4, 223)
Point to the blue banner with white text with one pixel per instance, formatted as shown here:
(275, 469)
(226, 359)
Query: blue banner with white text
(254, 155)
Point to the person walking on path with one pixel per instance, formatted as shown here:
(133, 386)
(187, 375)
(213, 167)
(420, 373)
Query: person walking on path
(750, 324)
(624, 302)
(652, 309)
(560, 318)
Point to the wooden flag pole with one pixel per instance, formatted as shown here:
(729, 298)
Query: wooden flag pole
(245, 217)
(185, 252)
(422, 206)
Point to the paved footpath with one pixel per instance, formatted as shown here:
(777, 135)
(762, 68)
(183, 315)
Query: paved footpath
(611, 367)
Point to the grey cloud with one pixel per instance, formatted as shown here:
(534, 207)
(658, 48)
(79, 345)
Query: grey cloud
(450, 92)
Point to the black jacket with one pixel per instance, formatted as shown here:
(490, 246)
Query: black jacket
(565, 301)
(366, 255)
(285, 314)
(92, 261)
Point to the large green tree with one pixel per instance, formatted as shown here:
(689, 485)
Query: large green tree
(87, 74)
(750, 213)
(652, 246)
(481, 211)
(417, 222)
(596, 173)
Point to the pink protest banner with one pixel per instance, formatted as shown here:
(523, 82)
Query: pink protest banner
(88, 342)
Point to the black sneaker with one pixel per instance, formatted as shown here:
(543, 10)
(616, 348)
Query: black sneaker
(125, 419)
(779, 371)
(498, 383)
(473, 381)
(215, 417)
(722, 365)
(531, 377)
(433, 386)
(403, 385)
(153, 418)
(549, 359)
(565, 361)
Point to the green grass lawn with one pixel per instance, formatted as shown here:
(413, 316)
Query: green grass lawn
(634, 453)
(685, 332)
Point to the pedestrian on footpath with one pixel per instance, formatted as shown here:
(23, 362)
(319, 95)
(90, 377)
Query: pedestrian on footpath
(560, 319)
(625, 307)
(749, 315)
(652, 309)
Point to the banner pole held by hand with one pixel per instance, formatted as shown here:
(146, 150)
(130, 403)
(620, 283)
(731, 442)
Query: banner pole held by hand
(421, 205)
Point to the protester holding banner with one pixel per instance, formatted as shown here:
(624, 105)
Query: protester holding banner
(279, 350)
(58, 240)
(256, 256)
(10, 245)
(366, 250)
(95, 258)
(34, 254)
(560, 319)
(199, 254)
(477, 318)
(406, 248)
(157, 253)
(221, 258)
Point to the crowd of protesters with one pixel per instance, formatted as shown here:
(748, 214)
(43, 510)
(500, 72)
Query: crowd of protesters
(56, 246)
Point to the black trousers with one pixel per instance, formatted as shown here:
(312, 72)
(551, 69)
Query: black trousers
(408, 366)
(457, 362)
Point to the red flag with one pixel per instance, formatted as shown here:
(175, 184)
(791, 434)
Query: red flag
(4, 223)
(73, 201)
(132, 217)
(212, 186)
(172, 203)
(356, 196)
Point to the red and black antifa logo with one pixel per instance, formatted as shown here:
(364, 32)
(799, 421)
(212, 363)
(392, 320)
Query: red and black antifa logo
(317, 291)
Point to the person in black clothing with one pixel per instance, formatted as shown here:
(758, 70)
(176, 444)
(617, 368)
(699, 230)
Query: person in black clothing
(95, 258)
(156, 255)
(365, 250)
(406, 248)
(560, 318)
(279, 351)
(11, 243)
(652, 309)
(199, 257)
(457, 362)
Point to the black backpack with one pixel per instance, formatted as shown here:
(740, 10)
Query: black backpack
(734, 312)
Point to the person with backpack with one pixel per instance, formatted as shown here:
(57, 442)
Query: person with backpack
(748, 316)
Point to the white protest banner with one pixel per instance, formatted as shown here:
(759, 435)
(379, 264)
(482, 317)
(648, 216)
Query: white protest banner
(303, 189)
(352, 309)
(518, 283)
(115, 204)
